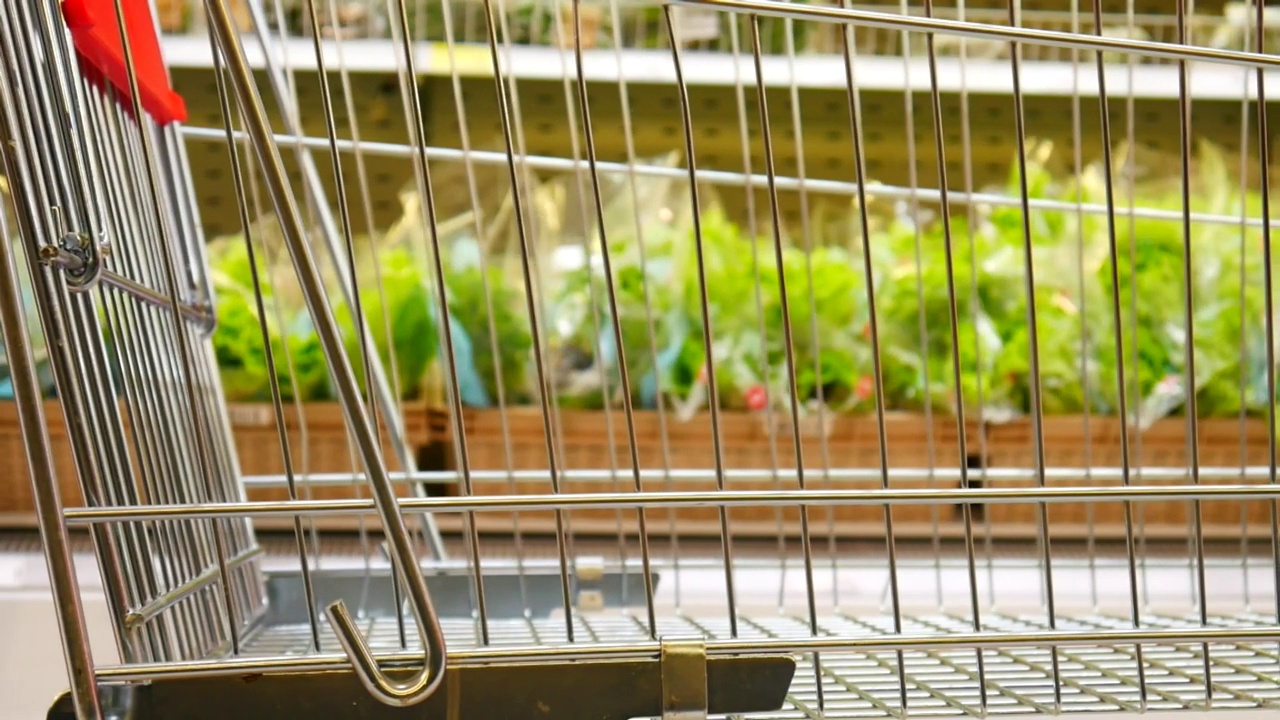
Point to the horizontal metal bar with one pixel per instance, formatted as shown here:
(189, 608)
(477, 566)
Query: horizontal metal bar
(136, 618)
(727, 178)
(716, 647)
(1259, 473)
(715, 499)
(1064, 17)
(1053, 38)
(202, 315)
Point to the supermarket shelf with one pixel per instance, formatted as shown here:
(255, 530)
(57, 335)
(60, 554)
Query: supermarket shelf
(808, 72)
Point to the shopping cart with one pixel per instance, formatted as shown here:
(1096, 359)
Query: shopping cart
(649, 552)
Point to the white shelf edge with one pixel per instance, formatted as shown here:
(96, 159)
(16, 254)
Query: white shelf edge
(811, 72)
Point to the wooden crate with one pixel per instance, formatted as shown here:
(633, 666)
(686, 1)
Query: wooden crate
(1073, 442)
(318, 444)
(326, 450)
(852, 442)
(17, 499)
(746, 444)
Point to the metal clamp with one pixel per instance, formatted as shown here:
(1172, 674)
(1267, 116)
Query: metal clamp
(684, 679)
(83, 262)
(77, 254)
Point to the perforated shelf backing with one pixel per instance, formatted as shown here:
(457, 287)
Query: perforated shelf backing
(657, 130)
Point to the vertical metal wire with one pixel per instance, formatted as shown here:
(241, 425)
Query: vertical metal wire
(749, 209)
(418, 133)
(526, 174)
(367, 355)
(909, 110)
(1077, 158)
(967, 160)
(184, 552)
(53, 532)
(281, 81)
(686, 117)
(185, 352)
(115, 545)
(85, 343)
(1269, 329)
(923, 329)
(187, 484)
(612, 296)
(602, 373)
(464, 137)
(285, 88)
(277, 402)
(877, 366)
(421, 685)
(806, 235)
(532, 307)
(1244, 319)
(78, 316)
(1135, 609)
(393, 363)
(664, 442)
(788, 339)
(123, 223)
(1189, 378)
(956, 369)
(1131, 182)
(1037, 406)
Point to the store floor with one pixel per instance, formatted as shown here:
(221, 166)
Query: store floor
(32, 671)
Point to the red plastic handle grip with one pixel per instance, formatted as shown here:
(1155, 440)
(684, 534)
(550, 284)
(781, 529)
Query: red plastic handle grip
(96, 34)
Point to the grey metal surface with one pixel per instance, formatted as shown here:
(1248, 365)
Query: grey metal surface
(532, 592)
(940, 681)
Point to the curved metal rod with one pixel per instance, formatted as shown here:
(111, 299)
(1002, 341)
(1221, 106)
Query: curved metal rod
(404, 693)
(422, 684)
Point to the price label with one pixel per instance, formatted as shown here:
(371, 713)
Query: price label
(465, 60)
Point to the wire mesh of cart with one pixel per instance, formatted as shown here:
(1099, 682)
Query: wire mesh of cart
(759, 384)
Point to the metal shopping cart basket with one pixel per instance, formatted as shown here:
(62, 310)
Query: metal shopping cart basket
(800, 434)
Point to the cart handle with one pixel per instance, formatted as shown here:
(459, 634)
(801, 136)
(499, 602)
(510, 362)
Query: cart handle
(96, 35)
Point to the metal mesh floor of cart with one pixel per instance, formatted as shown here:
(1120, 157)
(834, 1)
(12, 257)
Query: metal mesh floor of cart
(941, 683)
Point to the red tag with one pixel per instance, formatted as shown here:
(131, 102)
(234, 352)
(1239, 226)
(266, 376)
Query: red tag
(756, 397)
(864, 388)
(96, 32)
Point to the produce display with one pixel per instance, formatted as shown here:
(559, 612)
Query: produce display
(402, 320)
(828, 308)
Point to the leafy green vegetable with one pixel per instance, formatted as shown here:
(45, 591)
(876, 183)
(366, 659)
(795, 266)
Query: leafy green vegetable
(510, 325)
(828, 312)
(407, 311)
(237, 341)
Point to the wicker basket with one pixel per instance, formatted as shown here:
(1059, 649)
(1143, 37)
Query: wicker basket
(852, 442)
